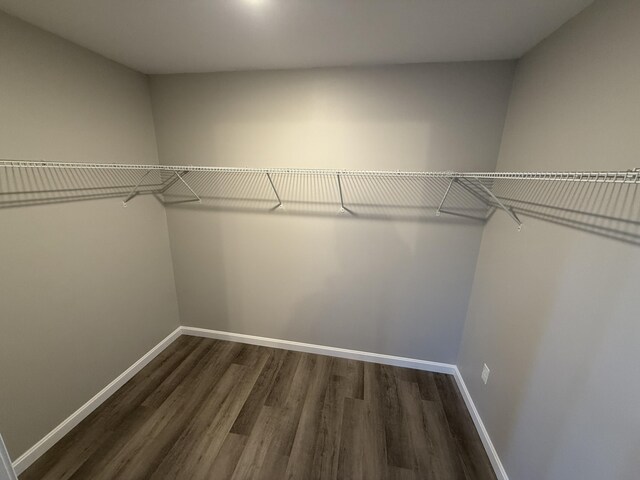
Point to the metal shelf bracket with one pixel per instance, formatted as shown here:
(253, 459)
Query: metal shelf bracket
(115, 180)
(134, 192)
(179, 177)
(342, 207)
(275, 191)
(446, 193)
(509, 211)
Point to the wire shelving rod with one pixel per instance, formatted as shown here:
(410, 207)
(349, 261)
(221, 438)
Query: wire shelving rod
(454, 188)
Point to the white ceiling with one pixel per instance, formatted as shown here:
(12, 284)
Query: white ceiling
(167, 36)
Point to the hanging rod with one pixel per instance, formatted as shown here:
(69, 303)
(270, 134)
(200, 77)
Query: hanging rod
(628, 176)
(475, 195)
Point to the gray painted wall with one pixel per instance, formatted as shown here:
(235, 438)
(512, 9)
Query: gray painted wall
(554, 311)
(393, 287)
(86, 288)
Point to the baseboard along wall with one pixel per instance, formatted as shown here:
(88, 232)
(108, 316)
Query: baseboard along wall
(322, 350)
(31, 455)
(27, 458)
(7, 471)
(501, 473)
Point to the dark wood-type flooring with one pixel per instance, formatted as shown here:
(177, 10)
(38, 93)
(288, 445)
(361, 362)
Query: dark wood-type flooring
(208, 409)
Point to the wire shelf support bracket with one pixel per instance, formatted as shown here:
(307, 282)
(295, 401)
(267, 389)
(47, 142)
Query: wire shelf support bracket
(275, 191)
(444, 198)
(631, 176)
(343, 209)
(134, 192)
(458, 181)
(509, 211)
(30, 182)
(179, 178)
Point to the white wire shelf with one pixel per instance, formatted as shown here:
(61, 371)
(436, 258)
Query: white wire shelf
(628, 176)
(600, 201)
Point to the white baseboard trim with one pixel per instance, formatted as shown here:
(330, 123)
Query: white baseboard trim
(31, 455)
(6, 469)
(482, 431)
(368, 357)
(323, 350)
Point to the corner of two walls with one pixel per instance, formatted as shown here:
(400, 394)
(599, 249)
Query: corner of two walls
(559, 335)
(92, 283)
(553, 310)
(384, 286)
(86, 287)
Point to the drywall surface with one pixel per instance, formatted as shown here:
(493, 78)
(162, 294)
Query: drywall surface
(385, 286)
(554, 311)
(86, 288)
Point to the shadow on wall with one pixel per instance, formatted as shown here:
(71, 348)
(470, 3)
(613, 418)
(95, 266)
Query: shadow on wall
(603, 208)
(409, 198)
(607, 209)
(20, 187)
(530, 318)
(396, 288)
(567, 363)
(368, 315)
(413, 306)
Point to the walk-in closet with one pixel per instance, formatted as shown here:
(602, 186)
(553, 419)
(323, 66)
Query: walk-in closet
(337, 239)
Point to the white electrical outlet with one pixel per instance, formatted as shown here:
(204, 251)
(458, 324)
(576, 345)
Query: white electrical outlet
(485, 373)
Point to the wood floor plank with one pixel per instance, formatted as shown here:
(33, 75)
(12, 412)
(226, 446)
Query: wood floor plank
(327, 447)
(68, 455)
(350, 461)
(210, 409)
(112, 444)
(225, 462)
(248, 355)
(284, 377)
(396, 423)
(137, 390)
(294, 402)
(411, 403)
(260, 443)
(432, 459)
(427, 384)
(195, 441)
(177, 375)
(209, 426)
(396, 473)
(142, 454)
(375, 457)
(302, 452)
(354, 372)
(251, 409)
(272, 440)
(468, 444)
(441, 443)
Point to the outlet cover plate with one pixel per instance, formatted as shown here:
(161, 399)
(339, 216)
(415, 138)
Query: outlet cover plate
(485, 373)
